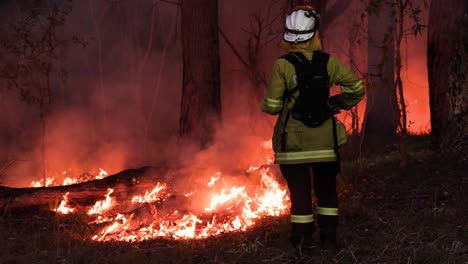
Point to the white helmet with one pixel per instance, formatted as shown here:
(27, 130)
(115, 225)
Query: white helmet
(301, 24)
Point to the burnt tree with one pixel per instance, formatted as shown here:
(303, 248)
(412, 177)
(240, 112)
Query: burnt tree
(382, 114)
(201, 97)
(447, 63)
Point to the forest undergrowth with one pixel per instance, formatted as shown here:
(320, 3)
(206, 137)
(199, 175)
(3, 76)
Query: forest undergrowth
(388, 214)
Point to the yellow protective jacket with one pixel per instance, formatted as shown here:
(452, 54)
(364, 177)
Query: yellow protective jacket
(304, 144)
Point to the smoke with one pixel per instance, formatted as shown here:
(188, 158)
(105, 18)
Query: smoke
(118, 108)
(119, 105)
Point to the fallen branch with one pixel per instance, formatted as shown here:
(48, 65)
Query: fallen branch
(125, 184)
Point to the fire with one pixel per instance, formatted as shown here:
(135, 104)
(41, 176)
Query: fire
(63, 207)
(49, 181)
(227, 210)
(226, 203)
(149, 196)
(213, 180)
(68, 180)
(101, 206)
(102, 174)
(236, 194)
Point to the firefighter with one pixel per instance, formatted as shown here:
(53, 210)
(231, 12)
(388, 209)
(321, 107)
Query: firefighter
(301, 149)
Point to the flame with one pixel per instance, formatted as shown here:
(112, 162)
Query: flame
(236, 194)
(101, 206)
(242, 209)
(229, 209)
(214, 179)
(36, 184)
(102, 174)
(69, 181)
(63, 207)
(53, 181)
(226, 203)
(149, 196)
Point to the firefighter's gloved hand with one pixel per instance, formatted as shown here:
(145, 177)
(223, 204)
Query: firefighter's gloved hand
(335, 103)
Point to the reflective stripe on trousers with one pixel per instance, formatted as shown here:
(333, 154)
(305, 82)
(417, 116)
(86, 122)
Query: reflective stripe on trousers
(302, 219)
(327, 211)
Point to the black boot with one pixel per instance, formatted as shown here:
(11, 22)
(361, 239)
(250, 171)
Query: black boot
(328, 241)
(302, 247)
(301, 237)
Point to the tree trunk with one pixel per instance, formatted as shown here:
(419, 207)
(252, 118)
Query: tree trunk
(382, 111)
(447, 63)
(201, 96)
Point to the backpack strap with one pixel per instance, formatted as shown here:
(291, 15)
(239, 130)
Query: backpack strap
(302, 66)
(300, 63)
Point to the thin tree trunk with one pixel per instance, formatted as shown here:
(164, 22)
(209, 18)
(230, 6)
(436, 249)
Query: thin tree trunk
(382, 114)
(44, 105)
(352, 37)
(399, 84)
(201, 97)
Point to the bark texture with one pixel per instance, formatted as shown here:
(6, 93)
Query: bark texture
(201, 96)
(382, 111)
(447, 59)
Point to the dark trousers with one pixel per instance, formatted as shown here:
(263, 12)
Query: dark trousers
(298, 177)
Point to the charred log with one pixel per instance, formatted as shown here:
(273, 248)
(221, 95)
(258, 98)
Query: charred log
(125, 184)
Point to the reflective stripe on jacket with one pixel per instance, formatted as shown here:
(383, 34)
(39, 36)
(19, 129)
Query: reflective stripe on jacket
(302, 144)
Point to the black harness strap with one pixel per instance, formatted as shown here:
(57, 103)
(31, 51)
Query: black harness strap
(303, 66)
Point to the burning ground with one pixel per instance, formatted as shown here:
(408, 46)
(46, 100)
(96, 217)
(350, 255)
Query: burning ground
(388, 215)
